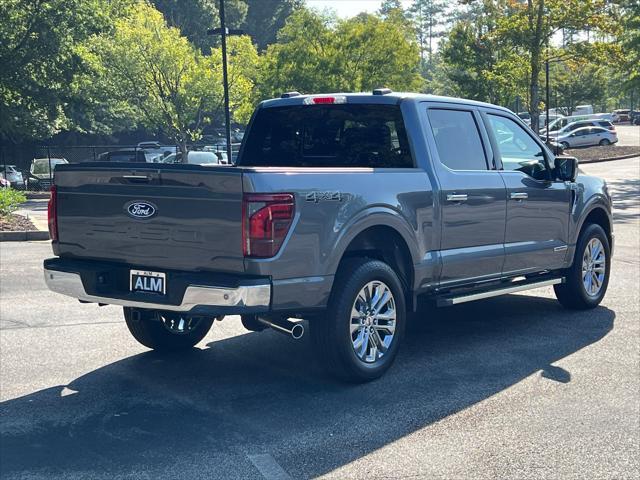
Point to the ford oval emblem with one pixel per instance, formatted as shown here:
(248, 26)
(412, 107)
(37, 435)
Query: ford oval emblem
(141, 209)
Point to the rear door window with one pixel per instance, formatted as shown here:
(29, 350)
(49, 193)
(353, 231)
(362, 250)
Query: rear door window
(457, 139)
(343, 135)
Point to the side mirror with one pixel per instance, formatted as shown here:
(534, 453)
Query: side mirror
(566, 168)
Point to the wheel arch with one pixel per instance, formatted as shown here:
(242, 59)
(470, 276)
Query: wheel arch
(386, 242)
(597, 215)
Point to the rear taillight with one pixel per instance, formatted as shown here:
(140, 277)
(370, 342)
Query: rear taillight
(266, 219)
(52, 211)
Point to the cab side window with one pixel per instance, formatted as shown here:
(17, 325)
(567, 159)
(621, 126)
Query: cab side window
(457, 139)
(518, 150)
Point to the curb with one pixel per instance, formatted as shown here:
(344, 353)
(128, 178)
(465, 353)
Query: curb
(33, 196)
(23, 236)
(609, 159)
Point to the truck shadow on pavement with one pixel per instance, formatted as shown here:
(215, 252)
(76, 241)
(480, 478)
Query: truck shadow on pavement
(263, 393)
(625, 200)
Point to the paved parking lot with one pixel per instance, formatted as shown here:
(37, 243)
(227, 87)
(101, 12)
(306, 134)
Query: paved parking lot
(628, 135)
(512, 387)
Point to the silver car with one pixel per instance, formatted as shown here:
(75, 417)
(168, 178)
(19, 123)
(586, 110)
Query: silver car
(587, 136)
(13, 175)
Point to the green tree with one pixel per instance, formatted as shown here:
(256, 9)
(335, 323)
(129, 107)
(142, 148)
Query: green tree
(467, 58)
(266, 17)
(316, 53)
(427, 16)
(153, 74)
(194, 17)
(477, 65)
(374, 52)
(39, 60)
(576, 82)
(531, 24)
(629, 66)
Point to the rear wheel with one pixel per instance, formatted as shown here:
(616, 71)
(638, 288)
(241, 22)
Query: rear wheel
(166, 331)
(360, 336)
(604, 142)
(565, 145)
(588, 278)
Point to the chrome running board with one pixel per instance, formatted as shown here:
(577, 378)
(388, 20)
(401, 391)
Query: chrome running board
(453, 300)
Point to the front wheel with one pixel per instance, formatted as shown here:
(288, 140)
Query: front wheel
(587, 279)
(565, 145)
(166, 331)
(360, 336)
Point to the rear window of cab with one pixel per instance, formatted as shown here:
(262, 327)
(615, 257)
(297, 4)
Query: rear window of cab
(334, 135)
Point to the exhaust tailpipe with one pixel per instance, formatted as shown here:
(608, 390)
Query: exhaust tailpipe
(286, 326)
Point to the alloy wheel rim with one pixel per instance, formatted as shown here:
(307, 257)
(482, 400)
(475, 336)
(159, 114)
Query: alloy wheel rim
(594, 265)
(373, 321)
(179, 324)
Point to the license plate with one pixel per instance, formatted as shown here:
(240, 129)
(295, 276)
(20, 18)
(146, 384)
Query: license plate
(149, 282)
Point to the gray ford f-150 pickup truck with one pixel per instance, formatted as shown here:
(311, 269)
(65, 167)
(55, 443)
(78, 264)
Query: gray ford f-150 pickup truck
(342, 210)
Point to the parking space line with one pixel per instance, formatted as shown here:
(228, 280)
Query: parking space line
(268, 467)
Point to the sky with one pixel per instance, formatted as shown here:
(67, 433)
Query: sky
(349, 8)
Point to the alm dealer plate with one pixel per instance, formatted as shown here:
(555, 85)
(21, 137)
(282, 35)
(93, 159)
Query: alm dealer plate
(149, 282)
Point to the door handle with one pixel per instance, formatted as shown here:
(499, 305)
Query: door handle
(454, 197)
(519, 196)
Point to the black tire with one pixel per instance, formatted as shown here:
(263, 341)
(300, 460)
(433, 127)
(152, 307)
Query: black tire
(573, 293)
(604, 142)
(331, 334)
(148, 328)
(565, 145)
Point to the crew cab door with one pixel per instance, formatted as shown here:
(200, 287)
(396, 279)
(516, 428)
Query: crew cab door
(536, 234)
(472, 195)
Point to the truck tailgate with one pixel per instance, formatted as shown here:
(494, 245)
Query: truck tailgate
(194, 223)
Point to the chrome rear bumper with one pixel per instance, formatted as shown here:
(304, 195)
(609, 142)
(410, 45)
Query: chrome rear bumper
(195, 296)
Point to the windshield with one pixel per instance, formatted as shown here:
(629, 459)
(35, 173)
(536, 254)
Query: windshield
(328, 136)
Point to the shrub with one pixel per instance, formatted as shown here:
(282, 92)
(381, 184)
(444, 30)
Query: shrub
(10, 199)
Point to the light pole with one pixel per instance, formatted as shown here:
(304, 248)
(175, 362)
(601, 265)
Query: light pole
(546, 72)
(223, 31)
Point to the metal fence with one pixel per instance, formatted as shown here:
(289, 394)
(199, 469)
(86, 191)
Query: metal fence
(31, 168)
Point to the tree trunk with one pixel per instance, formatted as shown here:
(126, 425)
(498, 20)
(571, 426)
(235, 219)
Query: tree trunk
(183, 149)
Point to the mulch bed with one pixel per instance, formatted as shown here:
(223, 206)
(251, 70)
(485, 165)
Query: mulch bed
(15, 223)
(597, 153)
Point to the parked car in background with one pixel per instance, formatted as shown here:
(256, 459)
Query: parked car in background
(560, 125)
(41, 172)
(581, 124)
(583, 110)
(555, 147)
(634, 118)
(620, 116)
(223, 158)
(126, 155)
(587, 136)
(542, 119)
(13, 175)
(155, 152)
(196, 158)
(4, 183)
